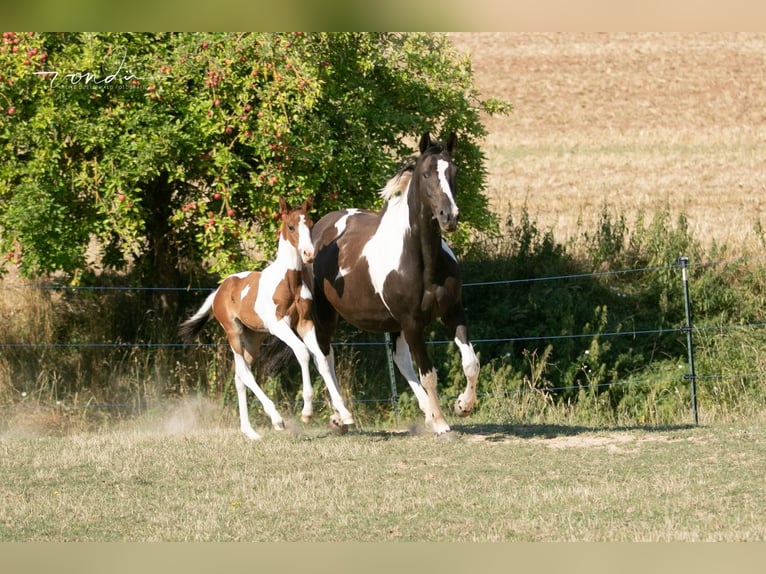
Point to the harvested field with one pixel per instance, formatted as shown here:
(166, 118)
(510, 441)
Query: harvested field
(640, 121)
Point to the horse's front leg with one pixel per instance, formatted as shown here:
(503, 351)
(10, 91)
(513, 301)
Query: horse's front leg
(284, 332)
(428, 381)
(455, 322)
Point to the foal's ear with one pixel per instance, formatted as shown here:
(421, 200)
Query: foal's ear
(425, 142)
(308, 204)
(284, 207)
(451, 142)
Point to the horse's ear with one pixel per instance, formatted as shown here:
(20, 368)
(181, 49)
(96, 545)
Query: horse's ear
(425, 142)
(284, 207)
(308, 204)
(451, 142)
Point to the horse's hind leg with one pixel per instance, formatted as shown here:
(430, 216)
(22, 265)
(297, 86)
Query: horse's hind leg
(240, 365)
(245, 352)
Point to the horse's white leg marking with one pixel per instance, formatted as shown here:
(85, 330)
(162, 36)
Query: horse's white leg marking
(441, 170)
(384, 249)
(326, 367)
(465, 402)
(403, 361)
(283, 330)
(244, 378)
(434, 415)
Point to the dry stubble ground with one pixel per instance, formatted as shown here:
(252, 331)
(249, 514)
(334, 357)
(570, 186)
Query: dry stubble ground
(641, 121)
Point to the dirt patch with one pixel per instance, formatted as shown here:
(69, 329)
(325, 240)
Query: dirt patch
(616, 442)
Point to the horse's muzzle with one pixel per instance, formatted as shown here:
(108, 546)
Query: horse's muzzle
(307, 255)
(448, 221)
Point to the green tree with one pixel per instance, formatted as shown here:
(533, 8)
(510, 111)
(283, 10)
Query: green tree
(166, 153)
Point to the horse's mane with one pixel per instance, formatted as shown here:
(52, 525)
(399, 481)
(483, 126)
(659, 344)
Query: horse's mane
(399, 182)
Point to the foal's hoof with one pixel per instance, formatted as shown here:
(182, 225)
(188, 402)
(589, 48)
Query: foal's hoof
(306, 418)
(280, 426)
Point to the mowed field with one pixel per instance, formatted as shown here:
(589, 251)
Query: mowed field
(184, 476)
(640, 121)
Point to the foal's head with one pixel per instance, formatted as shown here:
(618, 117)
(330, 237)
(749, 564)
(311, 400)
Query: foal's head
(435, 176)
(296, 228)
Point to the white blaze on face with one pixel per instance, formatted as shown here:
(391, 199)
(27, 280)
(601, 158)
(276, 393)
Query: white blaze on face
(441, 170)
(384, 249)
(305, 245)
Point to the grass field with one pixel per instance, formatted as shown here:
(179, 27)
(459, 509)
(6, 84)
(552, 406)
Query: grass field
(149, 482)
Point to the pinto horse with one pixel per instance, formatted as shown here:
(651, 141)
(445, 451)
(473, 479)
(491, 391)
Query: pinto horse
(392, 272)
(252, 304)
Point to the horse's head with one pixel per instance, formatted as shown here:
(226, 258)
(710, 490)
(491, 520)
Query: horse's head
(435, 176)
(296, 228)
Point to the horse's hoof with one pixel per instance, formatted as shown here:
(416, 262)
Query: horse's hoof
(280, 425)
(462, 411)
(251, 434)
(306, 418)
(337, 425)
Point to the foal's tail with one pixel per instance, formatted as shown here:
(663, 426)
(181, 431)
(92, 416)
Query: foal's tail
(194, 324)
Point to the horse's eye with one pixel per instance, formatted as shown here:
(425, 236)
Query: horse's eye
(291, 228)
(426, 175)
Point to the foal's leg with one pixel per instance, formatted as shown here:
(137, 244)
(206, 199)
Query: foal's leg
(325, 364)
(240, 366)
(455, 322)
(285, 333)
(245, 348)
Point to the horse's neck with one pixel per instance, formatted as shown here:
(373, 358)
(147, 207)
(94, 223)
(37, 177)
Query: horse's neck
(424, 226)
(288, 257)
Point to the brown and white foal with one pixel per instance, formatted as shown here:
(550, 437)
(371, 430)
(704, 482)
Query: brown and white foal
(252, 304)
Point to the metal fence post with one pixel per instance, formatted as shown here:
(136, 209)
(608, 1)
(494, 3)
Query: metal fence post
(684, 263)
(391, 375)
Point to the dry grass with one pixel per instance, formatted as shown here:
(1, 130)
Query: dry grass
(154, 480)
(643, 121)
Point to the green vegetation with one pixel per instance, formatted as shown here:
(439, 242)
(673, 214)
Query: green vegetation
(578, 348)
(164, 155)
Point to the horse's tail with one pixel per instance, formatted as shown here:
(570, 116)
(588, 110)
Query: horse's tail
(190, 328)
